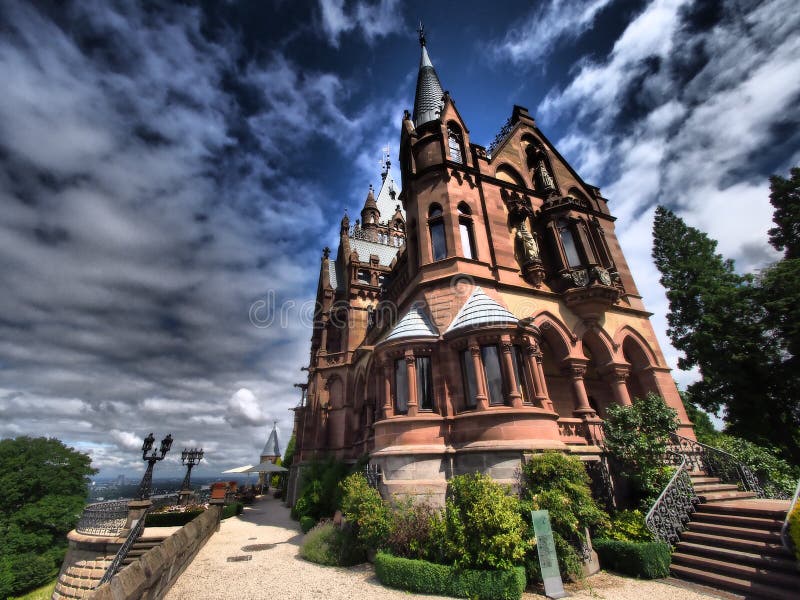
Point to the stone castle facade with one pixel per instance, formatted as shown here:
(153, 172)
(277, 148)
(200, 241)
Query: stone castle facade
(484, 312)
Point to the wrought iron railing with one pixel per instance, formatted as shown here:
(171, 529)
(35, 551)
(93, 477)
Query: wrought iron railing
(135, 534)
(373, 474)
(673, 508)
(103, 518)
(716, 463)
(785, 539)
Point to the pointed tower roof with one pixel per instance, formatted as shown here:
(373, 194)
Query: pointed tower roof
(480, 310)
(387, 197)
(428, 99)
(271, 448)
(414, 324)
(370, 201)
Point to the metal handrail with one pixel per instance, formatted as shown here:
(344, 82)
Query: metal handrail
(103, 518)
(785, 539)
(135, 534)
(701, 457)
(670, 512)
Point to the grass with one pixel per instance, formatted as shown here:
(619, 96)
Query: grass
(42, 593)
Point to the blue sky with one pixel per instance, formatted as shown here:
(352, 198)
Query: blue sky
(165, 166)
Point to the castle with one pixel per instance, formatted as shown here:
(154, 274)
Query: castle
(483, 312)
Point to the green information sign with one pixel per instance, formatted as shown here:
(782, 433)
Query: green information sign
(548, 560)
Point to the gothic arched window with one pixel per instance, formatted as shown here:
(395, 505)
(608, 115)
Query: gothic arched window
(467, 234)
(436, 226)
(454, 143)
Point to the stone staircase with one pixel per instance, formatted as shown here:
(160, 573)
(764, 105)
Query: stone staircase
(733, 544)
(145, 543)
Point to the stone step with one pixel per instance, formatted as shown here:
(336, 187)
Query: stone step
(752, 509)
(751, 589)
(738, 520)
(764, 561)
(752, 546)
(696, 479)
(725, 496)
(701, 488)
(743, 571)
(730, 531)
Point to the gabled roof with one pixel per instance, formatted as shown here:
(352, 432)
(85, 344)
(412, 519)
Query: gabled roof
(386, 205)
(415, 323)
(271, 448)
(480, 310)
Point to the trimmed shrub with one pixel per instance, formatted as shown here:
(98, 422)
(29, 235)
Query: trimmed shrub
(320, 494)
(363, 506)
(306, 523)
(326, 544)
(648, 560)
(413, 527)
(430, 578)
(627, 526)
(794, 530)
(483, 523)
(171, 519)
(558, 483)
(231, 510)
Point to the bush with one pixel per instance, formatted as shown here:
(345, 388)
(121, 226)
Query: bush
(637, 437)
(414, 526)
(230, 510)
(775, 474)
(429, 578)
(648, 560)
(558, 483)
(483, 524)
(171, 519)
(22, 572)
(326, 544)
(306, 523)
(627, 526)
(794, 530)
(319, 493)
(363, 506)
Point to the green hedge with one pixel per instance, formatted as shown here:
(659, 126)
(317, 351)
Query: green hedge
(306, 523)
(794, 530)
(232, 509)
(648, 560)
(171, 519)
(430, 578)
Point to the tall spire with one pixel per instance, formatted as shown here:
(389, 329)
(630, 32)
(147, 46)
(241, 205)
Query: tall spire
(428, 100)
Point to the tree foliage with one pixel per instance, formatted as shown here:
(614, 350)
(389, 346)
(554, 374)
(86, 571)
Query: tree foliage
(741, 331)
(44, 485)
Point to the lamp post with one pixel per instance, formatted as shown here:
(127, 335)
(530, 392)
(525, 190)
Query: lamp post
(146, 485)
(189, 457)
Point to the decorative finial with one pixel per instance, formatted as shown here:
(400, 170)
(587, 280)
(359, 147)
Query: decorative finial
(421, 32)
(326, 252)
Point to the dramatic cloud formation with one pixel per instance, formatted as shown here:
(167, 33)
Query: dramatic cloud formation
(371, 20)
(694, 104)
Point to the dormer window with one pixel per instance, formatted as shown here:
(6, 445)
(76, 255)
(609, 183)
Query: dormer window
(454, 143)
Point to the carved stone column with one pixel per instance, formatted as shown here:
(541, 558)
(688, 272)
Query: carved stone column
(514, 397)
(481, 396)
(576, 371)
(388, 406)
(535, 367)
(616, 377)
(411, 370)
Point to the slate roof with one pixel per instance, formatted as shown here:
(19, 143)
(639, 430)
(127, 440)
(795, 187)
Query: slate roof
(332, 273)
(364, 248)
(480, 309)
(386, 205)
(271, 448)
(415, 323)
(428, 99)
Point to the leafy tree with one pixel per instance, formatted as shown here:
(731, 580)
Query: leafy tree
(637, 437)
(45, 488)
(785, 197)
(724, 325)
(288, 455)
(704, 429)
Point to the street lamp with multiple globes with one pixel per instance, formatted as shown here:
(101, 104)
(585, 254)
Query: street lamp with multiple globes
(145, 487)
(189, 457)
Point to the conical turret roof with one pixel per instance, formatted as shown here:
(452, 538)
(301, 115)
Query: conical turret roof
(414, 324)
(481, 310)
(271, 448)
(428, 99)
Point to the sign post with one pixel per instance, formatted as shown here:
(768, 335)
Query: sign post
(546, 549)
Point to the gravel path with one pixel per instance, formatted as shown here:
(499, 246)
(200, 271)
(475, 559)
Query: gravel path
(277, 571)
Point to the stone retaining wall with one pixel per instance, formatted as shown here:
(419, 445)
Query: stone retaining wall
(154, 573)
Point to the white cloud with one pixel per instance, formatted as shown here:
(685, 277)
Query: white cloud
(244, 409)
(548, 23)
(126, 440)
(371, 19)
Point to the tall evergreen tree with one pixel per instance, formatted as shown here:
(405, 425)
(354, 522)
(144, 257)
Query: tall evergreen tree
(719, 321)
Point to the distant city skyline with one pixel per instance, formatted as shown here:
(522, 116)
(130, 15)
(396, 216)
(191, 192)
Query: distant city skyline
(166, 167)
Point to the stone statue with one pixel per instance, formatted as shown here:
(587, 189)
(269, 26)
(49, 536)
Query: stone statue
(528, 246)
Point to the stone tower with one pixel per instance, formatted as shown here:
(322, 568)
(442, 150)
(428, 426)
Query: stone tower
(491, 315)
